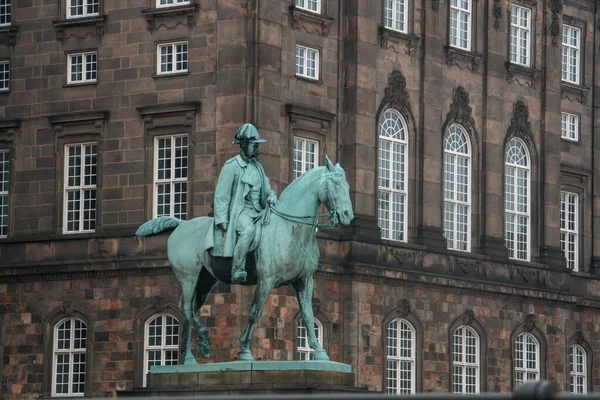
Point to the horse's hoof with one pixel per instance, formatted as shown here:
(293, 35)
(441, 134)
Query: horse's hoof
(321, 355)
(245, 355)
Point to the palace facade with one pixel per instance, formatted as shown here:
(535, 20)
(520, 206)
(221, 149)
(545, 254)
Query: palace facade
(467, 129)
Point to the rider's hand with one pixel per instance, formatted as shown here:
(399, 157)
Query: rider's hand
(223, 226)
(271, 201)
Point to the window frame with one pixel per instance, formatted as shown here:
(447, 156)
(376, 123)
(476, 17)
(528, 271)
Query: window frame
(84, 71)
(81, 188)
(526, 370)
(530, 36)
(405, 142)
(528, 214)
(578, 58)
(162, 348)
(406, 21)
(306, 8)
(463, 364)
(307, 350)
(8, 81)
(577, 130)
(173, 63)
(304, 154)
(175, 4)
(575, 231)
(470, 26)
(173, 181)
(6, 24)
(399, 359)
(573, 375)
(85, 14)
(7, 154)
(304, 75)
(469, 203)
(70, 351)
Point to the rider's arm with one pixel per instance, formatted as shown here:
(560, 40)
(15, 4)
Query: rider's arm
(223, 193)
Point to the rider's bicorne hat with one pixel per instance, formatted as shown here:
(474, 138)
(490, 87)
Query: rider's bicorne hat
(247, 132)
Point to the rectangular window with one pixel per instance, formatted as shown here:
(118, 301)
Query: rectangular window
(306, 153)
(172, 58)
(82, 8)
(460, 24)
(309, 5)
(170, 176)
(81, 175)
(396, 16)
(4, 187)
(307, 62)
(5, 12)
(520, 35)
(83, 67)
(4, 76)
(571, 54)
(570, 126)
(569, 211)
(170, 3)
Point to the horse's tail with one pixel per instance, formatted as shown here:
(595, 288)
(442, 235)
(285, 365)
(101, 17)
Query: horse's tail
(158, 225)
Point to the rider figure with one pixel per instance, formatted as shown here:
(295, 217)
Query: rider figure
(242, 192)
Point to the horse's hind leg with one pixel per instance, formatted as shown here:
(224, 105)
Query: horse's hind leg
(205, 284)
(187, 297)
(304, 292)
(263, 288)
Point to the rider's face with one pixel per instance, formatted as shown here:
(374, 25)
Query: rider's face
(251, 150)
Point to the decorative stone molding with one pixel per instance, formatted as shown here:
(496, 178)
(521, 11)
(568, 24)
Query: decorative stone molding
(404, 308)
(398, 41)
(402, 256)
(522, 75)
(310, 22)
(572, 92)
(435, 5)
(159, 304)
(91, 123)
(170, 17)
(396, 95)
(310, 119)
(94, 25)
(160, 116)
(462, 59)
(556, 8)
(8, 129)
(460, 110)
(468, 317)
(529, 323)
(8, 34)
(519, 124)
(497, 13)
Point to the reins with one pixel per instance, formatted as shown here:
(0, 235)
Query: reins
(300, 219)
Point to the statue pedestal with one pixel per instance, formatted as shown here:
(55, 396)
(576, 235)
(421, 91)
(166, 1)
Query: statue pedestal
(248, 377)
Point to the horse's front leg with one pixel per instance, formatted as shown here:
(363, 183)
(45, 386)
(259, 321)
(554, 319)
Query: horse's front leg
(304, 292)
(263, 288)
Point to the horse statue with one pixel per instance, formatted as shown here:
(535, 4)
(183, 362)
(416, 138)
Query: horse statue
(287, 254)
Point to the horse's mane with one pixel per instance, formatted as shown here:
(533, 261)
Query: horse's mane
(310, 177)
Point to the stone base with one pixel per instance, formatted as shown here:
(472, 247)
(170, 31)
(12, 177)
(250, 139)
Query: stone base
(432, 237)
(248, 377)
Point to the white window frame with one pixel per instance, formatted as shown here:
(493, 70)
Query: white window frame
(85, 4)
(81, 188)
(163, 347)
(84, 67)
(569, 126)
(306, 5)
(527, 371)
(398, 358)
(569, 227)
(387, 224)
(6, 14)
(70, 351)
(575, 375)
(456, 12)
(394, 9)
(302, 62)
(302, 157)
(452, 240)
(4, 190)
(173, 61)
(459, 360)
(513, 254)
(516, 30)
(303, 350)
(5, 73)
(567, 54)
(173, 3)
(172, 180)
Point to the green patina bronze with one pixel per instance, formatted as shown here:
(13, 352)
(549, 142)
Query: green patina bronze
(253, 239)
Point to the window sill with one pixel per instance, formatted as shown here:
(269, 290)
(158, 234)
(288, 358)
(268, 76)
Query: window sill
(463, 59)
(573, 92)
(89, 22)
(4, 92)
(396, 40)
(8, 34)
(570, 141)
(524, 76)
(79, 84)
(311, 80)
(155, 16)
(155, 76)
(310, 21)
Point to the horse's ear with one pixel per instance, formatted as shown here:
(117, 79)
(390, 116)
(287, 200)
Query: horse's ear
(329, 164)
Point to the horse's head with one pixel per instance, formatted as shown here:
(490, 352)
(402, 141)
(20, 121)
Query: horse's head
(334, 192)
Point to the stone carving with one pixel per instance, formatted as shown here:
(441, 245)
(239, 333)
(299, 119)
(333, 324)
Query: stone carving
(316, 303)
(524, 76)
(463, 59)
(403, 257)
(67, 308)
(205, 250)
(460, 110)
(466, 265)
(511, 273)
(468, 317)
(519, 124)
(159, 304)
(404, 308)
(396, 95)
(578, 338)
(529, 323)
(397, 41)
(435, 5)
(526, 274)
(171, 17)
(556, 8)
(309, 21)
(574, 92)
(497, 13)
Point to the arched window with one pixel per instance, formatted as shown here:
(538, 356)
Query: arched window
(393, 172)
(517, 188)
(578, 370)
(161, 342)
(400, 357)
(527, 358)
(69, 362)
(465, 361)
(457, 187)
(303, 350)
